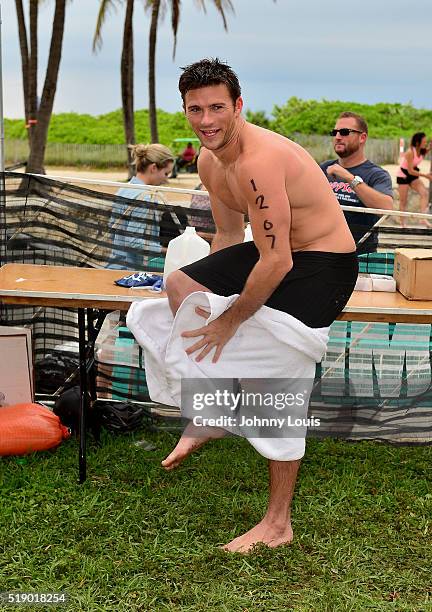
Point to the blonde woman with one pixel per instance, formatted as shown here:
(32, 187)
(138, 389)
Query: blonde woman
(135, 227)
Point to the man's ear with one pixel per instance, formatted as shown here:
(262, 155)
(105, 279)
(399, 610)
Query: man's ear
(363, 138)
(238, 105)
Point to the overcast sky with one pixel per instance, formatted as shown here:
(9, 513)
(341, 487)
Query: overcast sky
(368, 51)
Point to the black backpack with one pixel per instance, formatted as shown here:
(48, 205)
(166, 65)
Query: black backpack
(117, 417)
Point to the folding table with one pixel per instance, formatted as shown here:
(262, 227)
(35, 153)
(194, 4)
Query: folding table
(88, 288)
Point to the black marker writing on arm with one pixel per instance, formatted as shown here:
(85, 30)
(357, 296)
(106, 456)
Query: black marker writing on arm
(267, 225)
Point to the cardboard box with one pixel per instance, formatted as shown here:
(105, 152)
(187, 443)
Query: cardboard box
(16, 366)
(413, 273)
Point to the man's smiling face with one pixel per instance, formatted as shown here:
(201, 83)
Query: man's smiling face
(212, 114)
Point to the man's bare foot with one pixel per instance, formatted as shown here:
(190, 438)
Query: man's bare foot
(263, 533)
(192, 438)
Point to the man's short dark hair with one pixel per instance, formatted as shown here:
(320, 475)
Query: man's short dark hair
(361, 121)
(209, 72)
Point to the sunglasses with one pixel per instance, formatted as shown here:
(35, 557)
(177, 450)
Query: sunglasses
(344, 132)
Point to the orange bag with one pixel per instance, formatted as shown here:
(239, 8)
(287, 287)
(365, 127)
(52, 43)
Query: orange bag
(25, 428)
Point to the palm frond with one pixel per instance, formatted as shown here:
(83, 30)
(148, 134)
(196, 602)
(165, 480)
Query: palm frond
(175, 18)
(221, 6)
(105, 7)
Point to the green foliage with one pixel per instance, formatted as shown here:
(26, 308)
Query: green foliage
(258, 118)
(295, 116)
(318, 117)
(15, 129)
(74, 128)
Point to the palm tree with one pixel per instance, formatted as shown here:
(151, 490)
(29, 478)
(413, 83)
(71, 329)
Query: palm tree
(126, 69)
(155, 6)
(38, 116)
(127, 62)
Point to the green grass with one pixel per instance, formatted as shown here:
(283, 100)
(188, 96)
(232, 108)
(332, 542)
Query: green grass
(136, 538)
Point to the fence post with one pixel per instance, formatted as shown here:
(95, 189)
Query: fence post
(401, 149)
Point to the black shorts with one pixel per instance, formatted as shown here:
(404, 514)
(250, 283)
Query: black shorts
(315, 290)
(408, 178)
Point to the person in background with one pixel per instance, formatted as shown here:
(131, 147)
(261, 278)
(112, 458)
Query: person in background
(141, 224)
(204, 224)
(409, 174)
(184, 159)
(356, 181)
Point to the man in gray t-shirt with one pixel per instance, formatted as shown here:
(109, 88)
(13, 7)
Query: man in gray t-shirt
(356, 181)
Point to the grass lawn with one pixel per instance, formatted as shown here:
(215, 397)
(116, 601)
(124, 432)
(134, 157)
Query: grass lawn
(136, 538)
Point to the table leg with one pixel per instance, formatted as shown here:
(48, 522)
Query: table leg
(83, 394)
(92, 334)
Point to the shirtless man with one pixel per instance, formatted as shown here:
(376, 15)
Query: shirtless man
(302, 260)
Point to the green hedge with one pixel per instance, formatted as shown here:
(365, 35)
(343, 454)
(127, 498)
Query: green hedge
(318, 117)
(74, 128)
(295, 116)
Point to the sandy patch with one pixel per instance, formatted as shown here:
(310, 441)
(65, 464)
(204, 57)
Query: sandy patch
(183, 181)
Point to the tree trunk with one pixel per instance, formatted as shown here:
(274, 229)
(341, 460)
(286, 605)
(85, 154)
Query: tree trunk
(32, 70)
(152, 71)
(22, 34)
(39, 138)
(127, 83)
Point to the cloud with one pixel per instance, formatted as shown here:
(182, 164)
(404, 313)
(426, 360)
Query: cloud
(376, 51)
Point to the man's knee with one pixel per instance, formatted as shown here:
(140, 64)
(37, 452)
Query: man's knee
(174, 283)
(178, 286)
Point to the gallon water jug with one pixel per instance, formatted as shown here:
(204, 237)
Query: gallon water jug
(248, 233)
(184, 250)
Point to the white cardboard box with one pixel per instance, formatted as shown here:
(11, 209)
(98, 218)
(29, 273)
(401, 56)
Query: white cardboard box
(375, 282)
(16, 366)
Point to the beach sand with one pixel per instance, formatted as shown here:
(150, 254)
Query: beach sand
(190, 181)
(183, 180)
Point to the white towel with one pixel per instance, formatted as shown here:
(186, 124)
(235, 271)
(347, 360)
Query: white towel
(271, 344)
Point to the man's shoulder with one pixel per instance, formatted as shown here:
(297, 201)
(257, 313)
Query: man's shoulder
(371, 169)
(266, 164)
(207, 163)
(370, 165)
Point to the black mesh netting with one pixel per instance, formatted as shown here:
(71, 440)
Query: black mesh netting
(375, 379)
(50, 222)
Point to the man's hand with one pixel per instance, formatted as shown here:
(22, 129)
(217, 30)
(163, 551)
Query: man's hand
(215, 335)
(339, 172)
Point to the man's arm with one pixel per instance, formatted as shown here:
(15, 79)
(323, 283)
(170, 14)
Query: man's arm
(263, 186)
(229, 225)
(371, 197)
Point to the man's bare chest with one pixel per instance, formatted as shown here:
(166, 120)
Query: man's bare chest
(226, 187)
